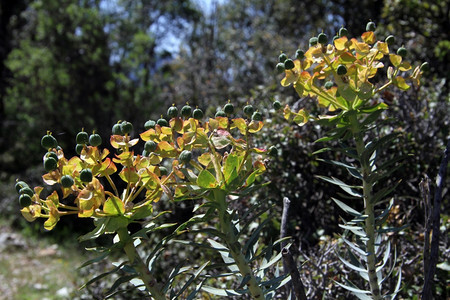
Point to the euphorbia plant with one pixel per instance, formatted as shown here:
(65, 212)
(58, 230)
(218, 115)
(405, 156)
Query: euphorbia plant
(183, 158)
(340, 75)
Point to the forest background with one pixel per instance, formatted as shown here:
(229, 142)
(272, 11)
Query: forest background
(67, 65)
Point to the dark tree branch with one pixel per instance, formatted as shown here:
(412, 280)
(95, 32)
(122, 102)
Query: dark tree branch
(289, 264)
(284, 220)
(291, 267)
(434, 251)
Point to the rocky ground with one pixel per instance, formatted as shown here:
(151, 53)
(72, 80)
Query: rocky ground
(35, 269)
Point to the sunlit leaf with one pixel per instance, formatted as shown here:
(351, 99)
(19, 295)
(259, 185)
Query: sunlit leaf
(30, 213)
(290, 78)
(404, 66)
(340, 43)
(129, 175)
(383, 47)
(165, 149)
(369, 37)
(205, 159)
(223, 122)
(221, 139)
(255, 126)
(395, 59)
(206, 180)
(240, 124)
(401, 83)
(176, 124)
(114, 206)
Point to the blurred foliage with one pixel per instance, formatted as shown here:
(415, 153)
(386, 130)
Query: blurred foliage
(70, 64)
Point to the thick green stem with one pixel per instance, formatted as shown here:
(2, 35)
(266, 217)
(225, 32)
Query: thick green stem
(150, 282)
(234, 246)
(368, 210)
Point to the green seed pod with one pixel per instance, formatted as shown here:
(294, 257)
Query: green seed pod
(228, 108)
(425, 67)
(150, 146)
(162, 122)
(86, 175)
(328, 85)
(273, 151)
(197, 114)
(335, 38)
(172, 112)
(289, 64)
(20, 185)
(126, 127)
(322, 38)
(280, 68)
(371, 26)
(282, 57)
(341, 70)
(25, 200)
(185, 156)
(163, 171)
(343, 32)
(51, 154)
(145, 153)
(26, 191)
(220, 113)
(82, 138)
(117, 129)
(186, 111)
(248, 110)
(390, 40)
(299, 54)
(149, 124)
(67, 181)
(48, 141)
(95, 139)
(79, 148)
(276, 105)
(257, 116)
(402, 52)
(50, 164)
(313, 41)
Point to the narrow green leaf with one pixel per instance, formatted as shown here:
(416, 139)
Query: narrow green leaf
(191, 279)
(118, 282)
(321, 151)
(194, 293)
(350, 265)
(387, 254)
(98, 231)
(102, 275)
(95, 260)
(355, 247)
(377, 144)
(337, 182)
(353, 289)
(271, 262)
(254, 237)
(221, 292)
(347, 208)
(392, 229)
(355, 229)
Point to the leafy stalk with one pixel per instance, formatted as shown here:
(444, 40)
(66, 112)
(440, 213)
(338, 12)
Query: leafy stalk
(368, 209)
(150, 282)
(226, 228)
